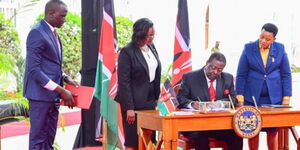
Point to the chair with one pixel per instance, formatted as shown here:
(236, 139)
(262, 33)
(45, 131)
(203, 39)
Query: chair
(186, 143)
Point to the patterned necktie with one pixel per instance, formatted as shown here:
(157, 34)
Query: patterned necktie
(57, 42)
(212, 92)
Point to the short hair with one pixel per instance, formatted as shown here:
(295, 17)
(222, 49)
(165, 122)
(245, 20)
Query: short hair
(140, 30)
(217, 56)
(270, 28)
(52, 5)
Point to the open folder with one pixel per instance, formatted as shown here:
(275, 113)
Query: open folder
(84, 95)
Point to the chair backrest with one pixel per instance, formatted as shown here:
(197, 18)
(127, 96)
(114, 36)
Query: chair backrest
(176, 88)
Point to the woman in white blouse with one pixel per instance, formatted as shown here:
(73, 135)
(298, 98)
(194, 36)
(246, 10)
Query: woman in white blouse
(139, 72)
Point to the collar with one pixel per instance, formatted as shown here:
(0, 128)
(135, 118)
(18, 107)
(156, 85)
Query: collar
(260, 48)
(51, 27)
(207, 79)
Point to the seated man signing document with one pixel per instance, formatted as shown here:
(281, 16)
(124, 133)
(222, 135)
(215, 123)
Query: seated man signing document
(209, 84)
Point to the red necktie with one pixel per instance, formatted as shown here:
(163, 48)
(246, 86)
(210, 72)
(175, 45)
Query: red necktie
(212, 91)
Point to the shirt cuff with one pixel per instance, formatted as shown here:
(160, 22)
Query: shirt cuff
(240, 98)
(190, 105)
(51, 85)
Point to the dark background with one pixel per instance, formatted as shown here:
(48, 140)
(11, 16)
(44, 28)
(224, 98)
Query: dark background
(91, 26)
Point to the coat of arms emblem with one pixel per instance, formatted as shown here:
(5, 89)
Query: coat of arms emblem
(247, 122)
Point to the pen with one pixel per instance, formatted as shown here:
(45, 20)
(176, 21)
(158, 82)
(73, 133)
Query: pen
(198, 99)
(199, 104)
(231, 102)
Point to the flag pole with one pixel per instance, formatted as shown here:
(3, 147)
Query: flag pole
(104, 131)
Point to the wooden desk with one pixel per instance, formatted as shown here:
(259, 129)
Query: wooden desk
(171, 125)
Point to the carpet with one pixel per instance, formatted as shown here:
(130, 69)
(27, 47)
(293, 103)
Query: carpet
(22, 127)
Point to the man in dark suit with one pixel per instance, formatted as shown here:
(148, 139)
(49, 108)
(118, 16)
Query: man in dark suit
(44, 77)
(209, 84)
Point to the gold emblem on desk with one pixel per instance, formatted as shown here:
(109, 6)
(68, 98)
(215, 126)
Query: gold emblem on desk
(247, 122)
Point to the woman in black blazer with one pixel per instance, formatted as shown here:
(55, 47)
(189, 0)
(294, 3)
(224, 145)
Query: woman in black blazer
(139, 71)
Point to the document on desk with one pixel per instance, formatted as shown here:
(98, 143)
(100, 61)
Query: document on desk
(184, 112)
(84, 95)
(276, 106)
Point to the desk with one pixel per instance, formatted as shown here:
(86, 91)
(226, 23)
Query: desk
(171, 125)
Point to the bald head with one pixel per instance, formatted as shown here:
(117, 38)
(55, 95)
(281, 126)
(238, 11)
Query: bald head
(52, 5)
(55, 13)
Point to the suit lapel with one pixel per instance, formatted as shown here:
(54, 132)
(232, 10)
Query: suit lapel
(203, 84)
(271, 57)
(258, 56)
(52, 38)
(219, 88)
(141, 58)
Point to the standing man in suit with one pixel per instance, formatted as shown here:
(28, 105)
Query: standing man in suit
(209, 84)
(44, 77)
(264, 72)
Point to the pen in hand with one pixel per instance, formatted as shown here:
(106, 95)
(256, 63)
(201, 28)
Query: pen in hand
(198, 99)
(197, 106)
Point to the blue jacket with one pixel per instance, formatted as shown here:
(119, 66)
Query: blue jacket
(251, 73)
(43, 63)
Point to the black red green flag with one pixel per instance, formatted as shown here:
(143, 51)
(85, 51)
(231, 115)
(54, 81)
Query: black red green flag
(182, 62)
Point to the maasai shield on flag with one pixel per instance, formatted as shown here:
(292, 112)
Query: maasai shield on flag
(106, 77)
(167, 100)
(182, 62)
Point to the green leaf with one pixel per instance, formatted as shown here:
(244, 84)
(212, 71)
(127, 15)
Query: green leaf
(124, 30)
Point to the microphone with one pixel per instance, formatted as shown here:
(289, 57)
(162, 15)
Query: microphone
(226, 92)
(253, 98)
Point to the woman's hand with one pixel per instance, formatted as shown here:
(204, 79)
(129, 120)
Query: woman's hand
(286, 102)
(130, 116)
(240, 104)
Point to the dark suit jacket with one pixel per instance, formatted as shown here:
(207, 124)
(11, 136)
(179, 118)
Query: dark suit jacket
(194, 86)
(133, 79)
(251, 73)
(43, 63)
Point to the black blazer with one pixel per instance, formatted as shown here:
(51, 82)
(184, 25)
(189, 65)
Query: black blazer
(194, 86)
(133, 79)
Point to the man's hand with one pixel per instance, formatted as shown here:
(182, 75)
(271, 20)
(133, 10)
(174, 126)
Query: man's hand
(66, 96)
(130, 116)
(195, 105)
(70, 81)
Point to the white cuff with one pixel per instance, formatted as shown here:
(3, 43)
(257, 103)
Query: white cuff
(190, 105)
(51, 85)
